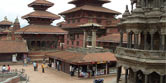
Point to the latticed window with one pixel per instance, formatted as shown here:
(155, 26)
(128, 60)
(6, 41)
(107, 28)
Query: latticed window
(99, 21)
(73, 21)
(67, 42)
(72, 42)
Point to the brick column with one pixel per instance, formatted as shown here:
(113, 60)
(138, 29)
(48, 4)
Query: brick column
(94, 38)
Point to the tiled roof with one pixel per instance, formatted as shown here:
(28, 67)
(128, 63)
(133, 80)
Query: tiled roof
(99, 57)
(73, 25)
(91, 8)
(114, 37)
(41, 29)
(41, 2)
(74, 57)
(10, 46)
(5, 22)
(98, 0)
(42, 14)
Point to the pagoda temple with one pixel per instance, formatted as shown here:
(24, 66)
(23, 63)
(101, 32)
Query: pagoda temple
(87, 11)
(40, 34)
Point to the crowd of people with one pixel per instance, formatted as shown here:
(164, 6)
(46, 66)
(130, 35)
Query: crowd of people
(6, 68)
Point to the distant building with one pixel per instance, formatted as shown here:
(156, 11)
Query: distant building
(145, 60)
(8, 28)
(87, 11)
(13, 51)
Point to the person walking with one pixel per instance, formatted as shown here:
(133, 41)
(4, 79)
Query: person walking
(8, 69)
(25, 62)
(34, 65)
(42, 66)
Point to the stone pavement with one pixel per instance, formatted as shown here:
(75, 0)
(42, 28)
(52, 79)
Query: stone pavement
(53, 76)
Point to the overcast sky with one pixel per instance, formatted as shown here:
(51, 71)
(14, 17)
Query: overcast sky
(19, 8)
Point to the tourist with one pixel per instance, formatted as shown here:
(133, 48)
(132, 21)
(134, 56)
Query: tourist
(93, 71)
(28, 60)
(44, 60)
(8, 69)
(42, 66)
(25, 62)
(71, 71)
(34, 65)
(3, 68)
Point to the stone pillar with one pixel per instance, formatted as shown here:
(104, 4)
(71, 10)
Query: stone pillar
(106, 68)
(145, 41)
(135, 77)
(152, 41)
(136, 40)
(128, 40)
(146, 78)
(163, 42)
(94, 38)
(78, 71)
(119, 70)
(131, 40)
(85, 39)
(96, 70)
(126, 75)
(121, 39)
(161, 79)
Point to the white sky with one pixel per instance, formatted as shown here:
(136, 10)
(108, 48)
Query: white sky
(19, 8)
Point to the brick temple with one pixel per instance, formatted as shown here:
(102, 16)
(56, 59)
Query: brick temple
(87, 11)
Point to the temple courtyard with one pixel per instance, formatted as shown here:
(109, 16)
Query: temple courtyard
(54, 76)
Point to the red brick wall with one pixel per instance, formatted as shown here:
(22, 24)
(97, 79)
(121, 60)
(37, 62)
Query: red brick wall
(68, 41)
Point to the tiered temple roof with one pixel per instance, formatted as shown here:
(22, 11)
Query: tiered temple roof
(89, 1)
(41, 19)
(91, 8)
(90, 5)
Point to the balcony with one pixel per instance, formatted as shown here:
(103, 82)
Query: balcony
(149, 56)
